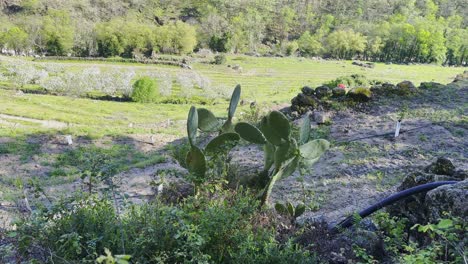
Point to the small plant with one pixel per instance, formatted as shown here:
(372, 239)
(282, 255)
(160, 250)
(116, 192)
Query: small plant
(109, 259)
(218, 147)
(289, 210)
(219, 59)
(362, 94)
(145, 90)
(282, 153)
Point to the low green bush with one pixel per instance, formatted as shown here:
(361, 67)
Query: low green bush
(219, 59)
(211, 228)
(145, 90)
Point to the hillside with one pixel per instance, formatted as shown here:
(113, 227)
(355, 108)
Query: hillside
(428, 31)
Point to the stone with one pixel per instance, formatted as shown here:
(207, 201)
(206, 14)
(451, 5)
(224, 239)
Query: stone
(321, 117)
(388, 88)
(442, 166)
(406, 87)
(323, 92)
(448, 198)
(338, 92)
(431, 85)
(307, 90)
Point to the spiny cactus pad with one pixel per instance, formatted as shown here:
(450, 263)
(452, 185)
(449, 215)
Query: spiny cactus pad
(314, 149)
(207, 121)
(222, 142)
(192, 125)
(196, 162)
(269, 134)
(250, 133)
(279, 124)
(235, 98)
(305, 130)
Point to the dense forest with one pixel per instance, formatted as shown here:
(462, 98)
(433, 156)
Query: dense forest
(402, 31)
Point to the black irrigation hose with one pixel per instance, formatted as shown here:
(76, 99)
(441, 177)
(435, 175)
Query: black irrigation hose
(349, 221)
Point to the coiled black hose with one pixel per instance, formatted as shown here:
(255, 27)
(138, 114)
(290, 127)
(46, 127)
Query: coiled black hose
(349, 221)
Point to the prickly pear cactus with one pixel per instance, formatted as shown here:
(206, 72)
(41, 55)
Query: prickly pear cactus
(222, 143)
(196, 162)
(250, 133)
(192, 125)
(207, 121)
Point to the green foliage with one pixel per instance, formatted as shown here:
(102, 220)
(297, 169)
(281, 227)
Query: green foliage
(345, 44)
(414, 31)
(145, 90)
(351, 81)
(220, 59)
(289, 210)
(58, 32)
(309, 45)
(209, 229)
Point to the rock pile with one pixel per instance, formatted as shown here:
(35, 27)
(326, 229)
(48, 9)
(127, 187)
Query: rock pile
(429, 207)
(364, 64)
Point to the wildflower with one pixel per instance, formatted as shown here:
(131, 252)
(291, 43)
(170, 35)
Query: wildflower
(341, 86)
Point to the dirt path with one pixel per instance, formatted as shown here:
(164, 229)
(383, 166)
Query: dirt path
(10, 120)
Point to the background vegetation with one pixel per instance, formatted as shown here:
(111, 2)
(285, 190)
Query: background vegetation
(427, 31)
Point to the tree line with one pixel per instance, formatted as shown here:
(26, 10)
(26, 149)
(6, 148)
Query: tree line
(402, 31)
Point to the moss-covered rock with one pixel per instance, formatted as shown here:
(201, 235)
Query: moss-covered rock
(442, 166)
(431, 85)
(323, 92)
(338, 92)
(360, 94)
(406, 88)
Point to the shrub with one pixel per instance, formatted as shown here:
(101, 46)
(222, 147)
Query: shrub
(349, 81)
(291, 48)
(145, 90)
(218, 228)
(220, 59)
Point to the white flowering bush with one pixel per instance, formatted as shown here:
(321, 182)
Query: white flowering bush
(22, 73)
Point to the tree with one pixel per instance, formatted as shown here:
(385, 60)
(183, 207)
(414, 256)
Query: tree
(309, 45)
(58, 32)
(16, 38)
(345, 44)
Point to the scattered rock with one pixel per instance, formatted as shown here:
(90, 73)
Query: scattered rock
(448, 198)
(338, 92)
(323, 92)
(431, 85)
(364, 64)
(406, 87)
(442, 166)
(417, 208)
(307, 90)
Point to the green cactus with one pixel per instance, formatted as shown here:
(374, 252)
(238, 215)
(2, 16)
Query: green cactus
(269, 134)
(235, 98)
(192, 125)
(304, 134)
(222, 142)
(279, 124)
(314, 149)
(269, 155)
(207, 121)
(250, 133)
(285, 171)
(196, 162)
(289, 210)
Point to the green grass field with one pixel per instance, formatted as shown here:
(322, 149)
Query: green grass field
(268, 81)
